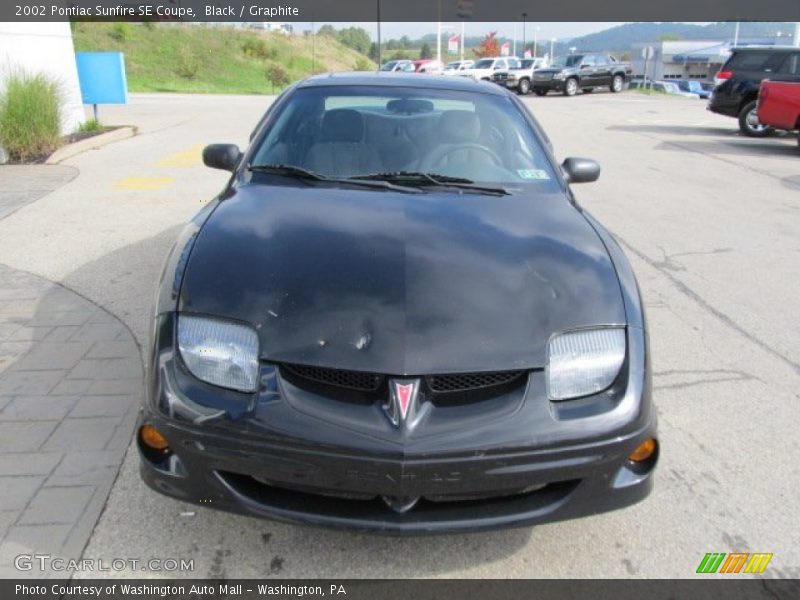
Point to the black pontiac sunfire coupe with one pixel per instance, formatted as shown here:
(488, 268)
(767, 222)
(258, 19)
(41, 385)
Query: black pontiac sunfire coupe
(396, 317)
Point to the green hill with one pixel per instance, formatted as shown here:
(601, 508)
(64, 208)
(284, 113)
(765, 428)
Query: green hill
(224, 60)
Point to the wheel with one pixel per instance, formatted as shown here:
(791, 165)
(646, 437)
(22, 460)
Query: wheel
(539, 92)
(749, 124)
(524, 87)
(588, 90)
(571, 87)
(617, 83)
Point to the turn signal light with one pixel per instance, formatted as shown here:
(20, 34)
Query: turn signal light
(644, 451)
(153, 439)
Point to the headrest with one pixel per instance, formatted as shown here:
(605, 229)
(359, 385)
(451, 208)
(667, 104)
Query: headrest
(342, 125)
(458, 126)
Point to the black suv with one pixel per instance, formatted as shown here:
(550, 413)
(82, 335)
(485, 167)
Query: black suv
(739, 79)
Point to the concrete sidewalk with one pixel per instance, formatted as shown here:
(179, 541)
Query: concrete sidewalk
(70, 384)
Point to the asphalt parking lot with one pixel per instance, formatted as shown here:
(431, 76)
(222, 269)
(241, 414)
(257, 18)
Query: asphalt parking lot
(711, 223)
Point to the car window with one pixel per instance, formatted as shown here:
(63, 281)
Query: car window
(600, 60)
(748, 61)
(513, 63)
(588, 61)
(485, 63)
(790, 66)
(500, 64)
(346, 131)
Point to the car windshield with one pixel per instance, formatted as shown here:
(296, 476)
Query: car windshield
(356, 131)
(453, 66)
(527, 63)
(567, 61)
(389, 66)
(486, 63)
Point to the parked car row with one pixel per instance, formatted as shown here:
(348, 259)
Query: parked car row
(739, 81)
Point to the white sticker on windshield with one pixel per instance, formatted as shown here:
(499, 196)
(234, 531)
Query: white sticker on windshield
(533, 174)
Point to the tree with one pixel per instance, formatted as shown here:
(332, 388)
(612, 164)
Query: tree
(405, 43)
(425, 51)
(277, 76)
(327, 30)
(355, 38)
(373, 52)
(488, 47)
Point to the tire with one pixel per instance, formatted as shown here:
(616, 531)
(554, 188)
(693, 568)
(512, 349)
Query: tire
(617, 84)
(539, 92)
(588, 90)
(571, 87)
(748, 122)
(524, 87)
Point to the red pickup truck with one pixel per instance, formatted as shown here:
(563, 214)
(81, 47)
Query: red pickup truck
(779, 105)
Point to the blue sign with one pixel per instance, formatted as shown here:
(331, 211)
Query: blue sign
(102, 77)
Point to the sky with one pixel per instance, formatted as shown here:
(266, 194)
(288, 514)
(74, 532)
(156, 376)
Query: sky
(546, 31)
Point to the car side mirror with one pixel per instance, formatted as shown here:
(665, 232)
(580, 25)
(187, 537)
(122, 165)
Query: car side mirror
(580, 170)
(221, 156)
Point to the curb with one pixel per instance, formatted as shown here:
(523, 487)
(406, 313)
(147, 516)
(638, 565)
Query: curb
(91, 143)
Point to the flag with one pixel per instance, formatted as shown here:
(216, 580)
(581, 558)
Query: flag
(452, 44)
(505, 49)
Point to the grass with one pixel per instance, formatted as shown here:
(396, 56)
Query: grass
(197, 59)
(30, 115)
(90, 126)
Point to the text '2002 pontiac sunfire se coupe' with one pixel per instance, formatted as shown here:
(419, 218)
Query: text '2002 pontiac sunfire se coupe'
(396, 317)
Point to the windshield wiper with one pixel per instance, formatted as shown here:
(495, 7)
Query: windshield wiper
(309, 175)
(433, 179)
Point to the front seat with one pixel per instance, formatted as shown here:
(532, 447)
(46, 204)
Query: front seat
(340, 150)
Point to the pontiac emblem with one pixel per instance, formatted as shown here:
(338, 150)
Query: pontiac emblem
(402, 398)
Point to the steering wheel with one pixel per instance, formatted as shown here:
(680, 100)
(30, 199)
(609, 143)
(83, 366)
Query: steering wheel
(435, 156)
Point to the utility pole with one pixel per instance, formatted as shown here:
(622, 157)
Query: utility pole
(462, 41)
(524, 16)
(552, 44)
(736, 35)
(379, 34)
(797, 35)
(439, 32)
(535, 36)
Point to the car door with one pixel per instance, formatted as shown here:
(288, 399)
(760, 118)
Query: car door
(789, 70)
(587, 71)
(602, 70)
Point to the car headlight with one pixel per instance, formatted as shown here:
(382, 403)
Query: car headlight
(558, 76)
(584, 362)
(219, 352)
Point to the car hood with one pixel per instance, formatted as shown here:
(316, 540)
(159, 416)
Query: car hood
(398, 283)
(553, 70)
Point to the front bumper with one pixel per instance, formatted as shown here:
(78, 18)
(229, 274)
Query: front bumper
(286, 454)
(548, 84)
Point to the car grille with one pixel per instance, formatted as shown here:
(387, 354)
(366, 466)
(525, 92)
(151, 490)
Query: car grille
(500, 76)
(542, 76)
(352, 380)
(462, 382)
(451, 388)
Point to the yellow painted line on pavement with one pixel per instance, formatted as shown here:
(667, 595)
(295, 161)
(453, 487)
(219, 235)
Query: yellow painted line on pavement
(143, 184)
(186, 158)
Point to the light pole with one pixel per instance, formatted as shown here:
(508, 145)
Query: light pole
(524, 16)
(379, 33)
(535, 35)
(552, 43)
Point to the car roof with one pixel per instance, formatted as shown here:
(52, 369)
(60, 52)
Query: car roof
(764, 49)
(386, 79)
